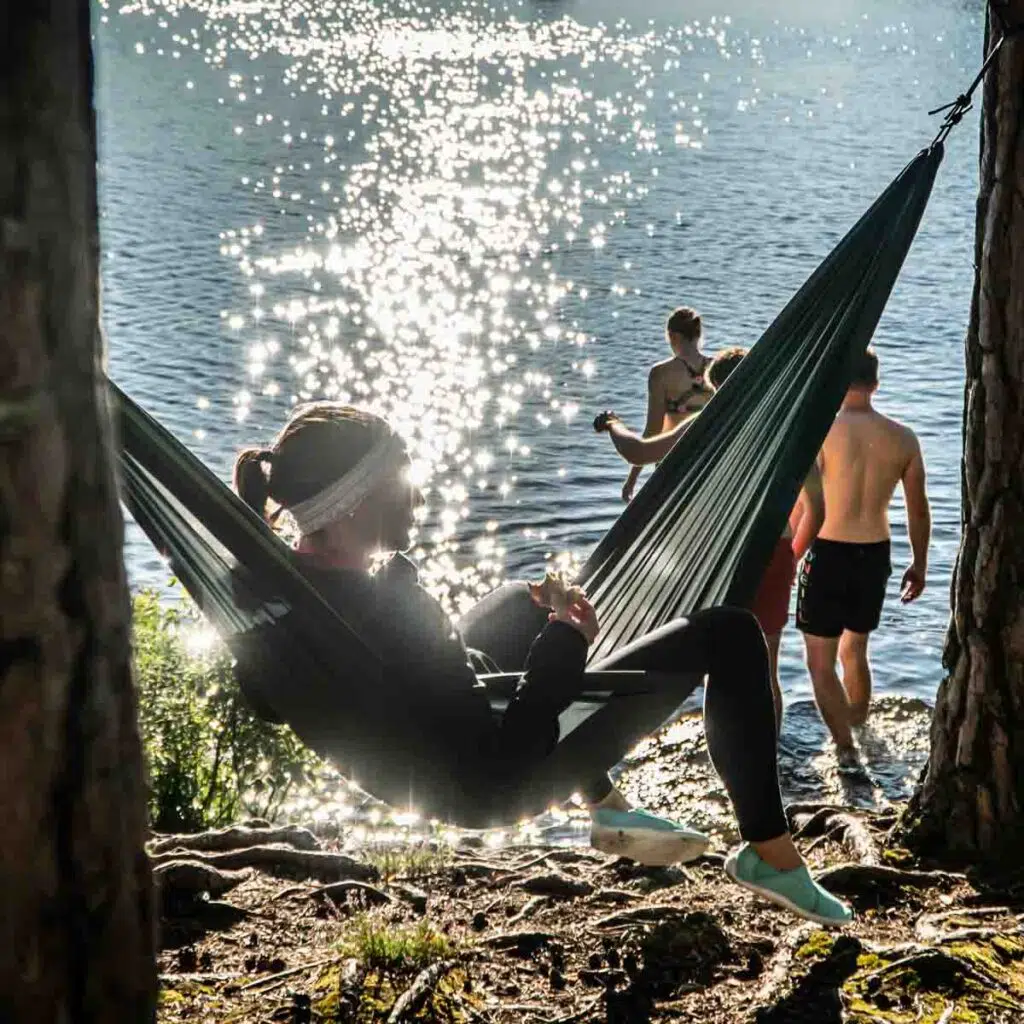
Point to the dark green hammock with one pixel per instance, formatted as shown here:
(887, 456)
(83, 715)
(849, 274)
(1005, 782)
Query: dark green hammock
(698, 534)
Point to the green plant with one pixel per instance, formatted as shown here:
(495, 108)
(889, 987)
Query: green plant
(386, 947)
(210, 760)
(402, 860)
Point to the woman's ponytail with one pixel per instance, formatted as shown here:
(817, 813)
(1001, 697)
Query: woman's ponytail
(251, 480)
(320, 443)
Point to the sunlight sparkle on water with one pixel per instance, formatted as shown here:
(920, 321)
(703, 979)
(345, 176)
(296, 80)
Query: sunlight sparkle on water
(423, 275)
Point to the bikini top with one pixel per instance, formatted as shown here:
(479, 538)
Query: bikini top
(698, 386)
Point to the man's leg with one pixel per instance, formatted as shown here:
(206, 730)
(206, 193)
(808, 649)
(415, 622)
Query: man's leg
(829, 694)
(863, 617)
(853, 655)
(821, 600)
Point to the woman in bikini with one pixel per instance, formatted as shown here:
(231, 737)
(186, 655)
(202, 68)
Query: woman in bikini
(676, 388)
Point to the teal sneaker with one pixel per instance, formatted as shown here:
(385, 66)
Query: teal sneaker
(644, 837)
(795, 890)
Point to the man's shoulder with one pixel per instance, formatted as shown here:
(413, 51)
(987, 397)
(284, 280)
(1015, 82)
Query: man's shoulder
(900, 432)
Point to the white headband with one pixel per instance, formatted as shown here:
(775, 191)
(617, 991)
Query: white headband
(346, 494)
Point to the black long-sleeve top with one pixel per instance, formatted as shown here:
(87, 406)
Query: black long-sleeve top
(425, 660)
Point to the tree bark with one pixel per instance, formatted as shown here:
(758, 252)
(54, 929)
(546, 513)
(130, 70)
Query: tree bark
(76, 924)
(970, 804)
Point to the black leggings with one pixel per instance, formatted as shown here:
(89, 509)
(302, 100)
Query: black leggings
(724, 644)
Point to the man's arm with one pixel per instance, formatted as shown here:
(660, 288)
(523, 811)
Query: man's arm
(919, 524)
(809, 513)
(655, 419)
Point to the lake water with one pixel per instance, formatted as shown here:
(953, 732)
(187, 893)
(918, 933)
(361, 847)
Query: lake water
(474, 218)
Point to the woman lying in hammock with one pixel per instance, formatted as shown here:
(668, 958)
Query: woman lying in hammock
(343, 475)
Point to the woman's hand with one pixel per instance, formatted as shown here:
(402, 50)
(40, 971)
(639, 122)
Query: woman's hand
(603, 420)
(579, 613)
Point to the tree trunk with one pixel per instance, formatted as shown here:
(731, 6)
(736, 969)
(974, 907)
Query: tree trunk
(970, 804)
(76, 926)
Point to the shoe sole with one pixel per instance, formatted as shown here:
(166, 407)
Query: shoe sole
(778, 899)
(652, 849)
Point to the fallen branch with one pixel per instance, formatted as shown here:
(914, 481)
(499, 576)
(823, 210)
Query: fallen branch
(856, 877)
(411, 1001)
(284, 861)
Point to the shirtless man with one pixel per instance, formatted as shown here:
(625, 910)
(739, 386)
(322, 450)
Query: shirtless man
(843, 579)
(676, 388)
(771, 604)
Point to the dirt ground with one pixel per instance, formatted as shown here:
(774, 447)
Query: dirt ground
(265, 925)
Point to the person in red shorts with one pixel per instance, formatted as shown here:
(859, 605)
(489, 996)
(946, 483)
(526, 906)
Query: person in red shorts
(771, 604)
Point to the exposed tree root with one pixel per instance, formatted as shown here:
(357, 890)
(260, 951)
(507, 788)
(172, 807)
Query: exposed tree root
(930, 927)
(235, 838)
(522, 943)
(555, 884)
(640, 915)
(482, 869)
(272, 979)
(848, 878)
(936, 967)
(416, 898)
(284, 862)
(338, 892)
(411, 1001)
(614, 896)
(529, 909)
(182, 881)
(838, 824)
(582, 1012)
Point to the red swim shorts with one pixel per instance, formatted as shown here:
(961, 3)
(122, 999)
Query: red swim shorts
(771, 605)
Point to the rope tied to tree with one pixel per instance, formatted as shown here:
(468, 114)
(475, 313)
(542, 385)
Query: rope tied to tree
(963, 103)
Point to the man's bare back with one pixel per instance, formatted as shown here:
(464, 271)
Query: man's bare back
(864, 458)
(845, 575)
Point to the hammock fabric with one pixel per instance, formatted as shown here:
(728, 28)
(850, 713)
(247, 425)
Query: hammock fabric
(699, 534)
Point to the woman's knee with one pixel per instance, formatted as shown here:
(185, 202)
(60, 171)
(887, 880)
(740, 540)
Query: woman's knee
(737, 650)
(731, 626)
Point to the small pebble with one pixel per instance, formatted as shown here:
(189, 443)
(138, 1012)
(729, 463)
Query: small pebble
(479, 921)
